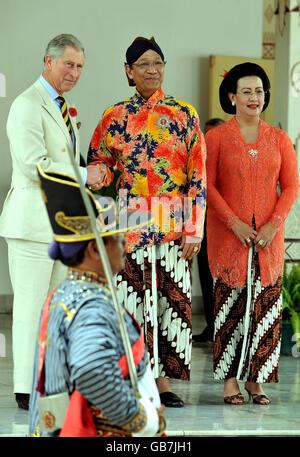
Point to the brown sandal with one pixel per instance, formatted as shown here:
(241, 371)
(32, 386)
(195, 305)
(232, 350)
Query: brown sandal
(230, 399)
(258, 398)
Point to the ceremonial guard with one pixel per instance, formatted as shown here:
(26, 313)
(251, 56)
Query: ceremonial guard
(81, 385)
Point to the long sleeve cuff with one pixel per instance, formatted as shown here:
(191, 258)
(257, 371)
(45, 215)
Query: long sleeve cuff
(276, 221)
(84, 174)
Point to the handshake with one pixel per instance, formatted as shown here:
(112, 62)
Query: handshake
(96, 175)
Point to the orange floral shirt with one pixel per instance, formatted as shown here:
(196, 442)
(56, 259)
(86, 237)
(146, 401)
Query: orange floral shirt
(242, 181)
(158, 147)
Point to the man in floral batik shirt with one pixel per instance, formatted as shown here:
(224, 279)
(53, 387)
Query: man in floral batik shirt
(154, 142)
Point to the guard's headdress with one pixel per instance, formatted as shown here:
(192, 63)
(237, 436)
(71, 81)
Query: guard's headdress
(70, 222)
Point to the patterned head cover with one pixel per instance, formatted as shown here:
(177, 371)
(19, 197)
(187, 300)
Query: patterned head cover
(229, 84)
(139, 46)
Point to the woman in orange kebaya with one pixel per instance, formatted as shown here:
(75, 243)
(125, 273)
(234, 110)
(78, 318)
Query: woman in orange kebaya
(246, 158)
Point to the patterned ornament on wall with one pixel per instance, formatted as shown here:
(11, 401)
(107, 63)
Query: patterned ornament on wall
(269, 22)
(295, 79)
(283, 7)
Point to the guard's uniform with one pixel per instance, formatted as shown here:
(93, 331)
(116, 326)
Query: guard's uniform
(84, 354)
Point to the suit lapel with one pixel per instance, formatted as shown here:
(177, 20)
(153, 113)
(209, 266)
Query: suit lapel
(49, 105)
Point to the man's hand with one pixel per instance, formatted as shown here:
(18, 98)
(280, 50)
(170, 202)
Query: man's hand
(95, 176)
(190, 246)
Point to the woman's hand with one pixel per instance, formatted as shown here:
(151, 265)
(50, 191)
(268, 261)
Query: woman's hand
(265, 235)
(190, 246)
(244, 233)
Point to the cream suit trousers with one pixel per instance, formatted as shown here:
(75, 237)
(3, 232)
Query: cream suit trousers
(33, 275)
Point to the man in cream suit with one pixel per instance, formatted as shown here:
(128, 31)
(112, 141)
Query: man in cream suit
(38, 133)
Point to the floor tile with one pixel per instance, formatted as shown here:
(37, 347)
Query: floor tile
(204, 414)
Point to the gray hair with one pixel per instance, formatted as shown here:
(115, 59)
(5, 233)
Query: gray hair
(57, 45)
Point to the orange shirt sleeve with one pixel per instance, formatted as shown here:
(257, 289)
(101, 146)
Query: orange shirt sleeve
(196, 175)
(100, 151)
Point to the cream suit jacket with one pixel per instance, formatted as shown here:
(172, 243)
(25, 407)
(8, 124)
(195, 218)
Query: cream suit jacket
(37, 133)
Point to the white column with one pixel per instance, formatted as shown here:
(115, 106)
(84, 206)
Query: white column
(287, 93)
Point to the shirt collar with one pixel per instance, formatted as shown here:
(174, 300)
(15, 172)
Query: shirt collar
(153, 100)
(50, 89)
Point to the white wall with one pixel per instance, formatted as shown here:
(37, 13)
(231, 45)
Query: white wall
(287, 106)
(188, 31)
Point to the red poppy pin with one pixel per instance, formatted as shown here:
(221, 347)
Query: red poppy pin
(73, 112)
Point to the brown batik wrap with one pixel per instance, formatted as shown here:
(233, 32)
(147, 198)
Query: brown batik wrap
(155, 287)
(261, 357)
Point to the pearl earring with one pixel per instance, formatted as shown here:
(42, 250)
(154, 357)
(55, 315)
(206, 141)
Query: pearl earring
(233, 103)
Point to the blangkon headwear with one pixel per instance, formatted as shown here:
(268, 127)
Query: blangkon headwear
(139, 46)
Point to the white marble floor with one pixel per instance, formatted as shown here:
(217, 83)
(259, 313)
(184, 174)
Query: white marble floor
(204, 414)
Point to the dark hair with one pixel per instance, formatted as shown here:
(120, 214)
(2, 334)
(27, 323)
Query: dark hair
(214, 121)
(130, 81)
(76, 259)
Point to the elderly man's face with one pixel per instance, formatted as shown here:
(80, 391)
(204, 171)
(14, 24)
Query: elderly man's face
(64, 73)
(147, 73)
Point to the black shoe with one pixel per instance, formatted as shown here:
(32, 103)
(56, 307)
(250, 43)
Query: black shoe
(171, 400)
(206, 335)
(23, 401)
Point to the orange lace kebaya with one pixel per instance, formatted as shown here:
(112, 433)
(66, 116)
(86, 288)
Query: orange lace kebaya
(242, 180)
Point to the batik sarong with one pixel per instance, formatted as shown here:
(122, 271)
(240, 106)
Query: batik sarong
(155, 287)
(247, 334)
